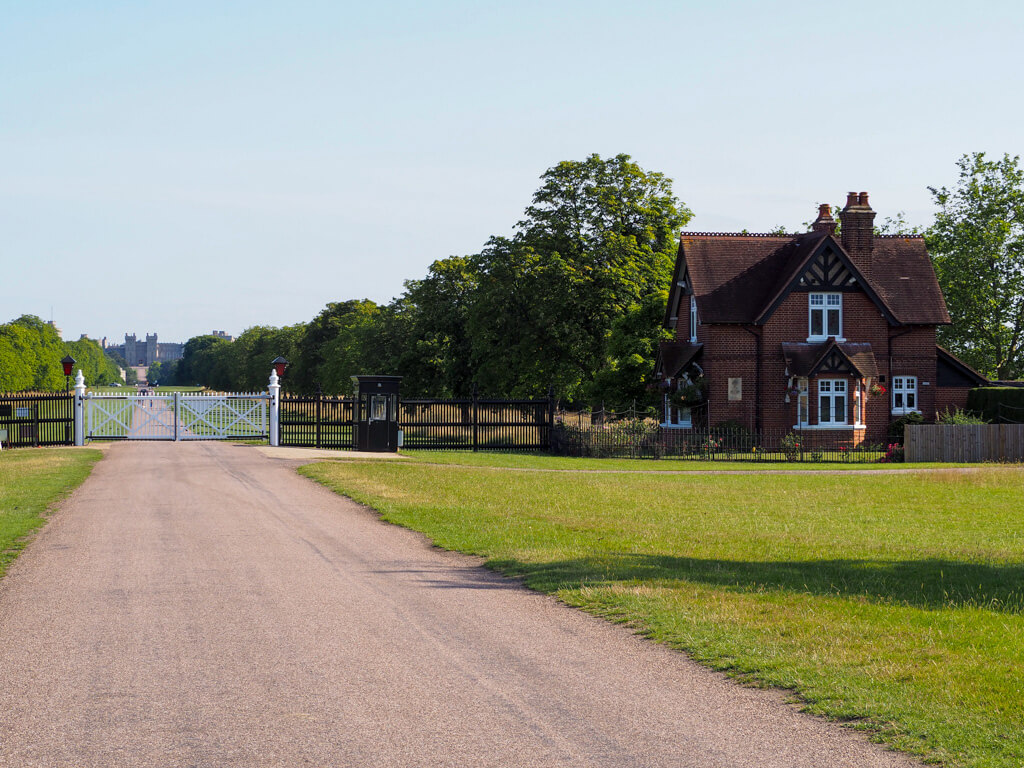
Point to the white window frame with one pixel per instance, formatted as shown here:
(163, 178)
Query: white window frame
(693, 319)
(803, 403)
(684, 416)
(826, 303)
(904, 391)
(830, 389)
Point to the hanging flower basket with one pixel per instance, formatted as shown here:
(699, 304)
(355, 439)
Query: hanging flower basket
(876, 390)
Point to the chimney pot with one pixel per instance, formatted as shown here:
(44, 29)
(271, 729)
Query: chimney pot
(824, 211)
(864, 199)
(852, 198)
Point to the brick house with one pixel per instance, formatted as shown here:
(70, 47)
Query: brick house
(830, 334)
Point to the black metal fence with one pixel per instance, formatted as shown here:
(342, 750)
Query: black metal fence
(477, 424)
(30, 419)
(474, 423)
(604, 435)
(316, 421)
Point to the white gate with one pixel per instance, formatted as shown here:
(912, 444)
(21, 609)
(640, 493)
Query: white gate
(177, 416)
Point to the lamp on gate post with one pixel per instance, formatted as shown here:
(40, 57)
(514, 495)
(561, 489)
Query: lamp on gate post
(68, 362)
(279, 365)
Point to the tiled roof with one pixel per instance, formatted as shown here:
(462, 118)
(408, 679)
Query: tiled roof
(737, 277)
(905, 279)
(802, 359)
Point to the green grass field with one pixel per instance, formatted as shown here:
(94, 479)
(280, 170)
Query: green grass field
(564, 463)
(31, 481)
(894, 602)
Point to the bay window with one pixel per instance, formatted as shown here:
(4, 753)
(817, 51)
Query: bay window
(832, 401)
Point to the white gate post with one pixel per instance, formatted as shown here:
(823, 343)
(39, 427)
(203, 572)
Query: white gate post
(177, 418)
(79, 408)
(275, 408)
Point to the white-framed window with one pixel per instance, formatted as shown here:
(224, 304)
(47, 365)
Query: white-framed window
(803, 408)
(825, 316)
(693, 319)
(831, 401)
(904, 394)
(675, 416)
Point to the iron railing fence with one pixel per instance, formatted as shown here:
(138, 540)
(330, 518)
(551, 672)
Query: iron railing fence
(607, 435)
(31, 419)
(476, 423)
(472, 423)
(317, 421)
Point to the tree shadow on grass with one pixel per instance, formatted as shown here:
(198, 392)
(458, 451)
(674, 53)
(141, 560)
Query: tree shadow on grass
(930, 584)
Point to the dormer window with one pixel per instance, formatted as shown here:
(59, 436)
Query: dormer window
(825, 316)
(693, 319)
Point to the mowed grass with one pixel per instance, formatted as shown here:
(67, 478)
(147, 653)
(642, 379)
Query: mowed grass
(565, 463)
(32, 480)
(893, 602)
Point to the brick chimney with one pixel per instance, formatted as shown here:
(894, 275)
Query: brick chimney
(824, 222)
(858, 232)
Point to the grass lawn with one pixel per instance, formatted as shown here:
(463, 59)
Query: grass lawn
(893, 602)
(31, 481)
(545, 461)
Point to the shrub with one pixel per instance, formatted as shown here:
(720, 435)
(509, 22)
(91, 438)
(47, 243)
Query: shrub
(958, 416)
(897, 426)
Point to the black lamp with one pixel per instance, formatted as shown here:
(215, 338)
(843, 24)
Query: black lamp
(279, 365)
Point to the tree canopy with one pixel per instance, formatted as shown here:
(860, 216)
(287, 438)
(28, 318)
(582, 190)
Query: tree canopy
(977, 245)
(30, 355)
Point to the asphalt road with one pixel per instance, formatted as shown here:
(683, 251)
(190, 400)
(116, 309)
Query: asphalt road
(200, 604)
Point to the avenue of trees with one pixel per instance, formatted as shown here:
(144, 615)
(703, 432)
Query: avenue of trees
(30, 355)
(575, 297)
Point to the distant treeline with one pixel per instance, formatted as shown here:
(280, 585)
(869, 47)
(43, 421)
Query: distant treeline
(30, 355)
(573, 300)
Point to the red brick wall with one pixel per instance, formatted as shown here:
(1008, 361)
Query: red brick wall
(950, 398)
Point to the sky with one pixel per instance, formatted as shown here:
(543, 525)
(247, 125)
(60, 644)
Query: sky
(176, 168)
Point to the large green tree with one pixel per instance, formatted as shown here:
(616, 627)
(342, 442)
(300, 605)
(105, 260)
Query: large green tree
(977, 245)
(599, 236)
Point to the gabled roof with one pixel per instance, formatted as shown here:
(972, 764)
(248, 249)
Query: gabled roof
(805, 360)
(673, 356)
(741, 278)
(954, 372)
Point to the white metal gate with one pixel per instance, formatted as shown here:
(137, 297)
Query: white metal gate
(177, 416)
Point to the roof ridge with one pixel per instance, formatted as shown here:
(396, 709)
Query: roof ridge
(788, 235)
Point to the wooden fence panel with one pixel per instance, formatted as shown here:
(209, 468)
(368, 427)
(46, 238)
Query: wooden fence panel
(964, 442)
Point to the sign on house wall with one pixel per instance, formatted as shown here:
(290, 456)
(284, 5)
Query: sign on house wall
(736, 388)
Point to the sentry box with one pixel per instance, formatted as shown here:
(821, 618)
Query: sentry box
(376, 413)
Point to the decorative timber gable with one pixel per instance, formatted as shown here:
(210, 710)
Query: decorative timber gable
(827, 271)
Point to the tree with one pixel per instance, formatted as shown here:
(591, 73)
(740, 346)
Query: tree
(629, 370)
(977, 245)
(30, 354)
(598, 237)
(203, 362)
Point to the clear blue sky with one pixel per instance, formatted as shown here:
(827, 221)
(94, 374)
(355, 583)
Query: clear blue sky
(180, 167)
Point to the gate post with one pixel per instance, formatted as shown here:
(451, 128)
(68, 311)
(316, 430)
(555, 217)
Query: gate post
(177, 418)
(275, 408)
(79, 408)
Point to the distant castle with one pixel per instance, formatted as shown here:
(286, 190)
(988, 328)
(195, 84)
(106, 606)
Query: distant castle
(146, 352)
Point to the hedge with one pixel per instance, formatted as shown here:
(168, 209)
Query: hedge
(997, 404)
